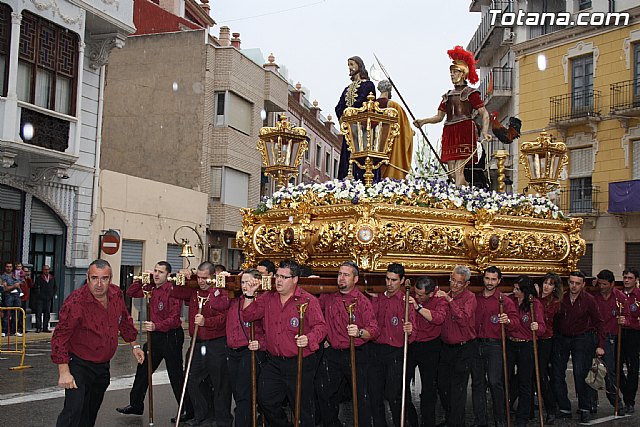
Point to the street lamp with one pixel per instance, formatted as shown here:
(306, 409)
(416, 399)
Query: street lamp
(543, 160)
(282, 148)
(370, 132)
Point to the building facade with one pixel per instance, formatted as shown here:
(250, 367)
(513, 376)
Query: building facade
(52, 70)
(580, 84)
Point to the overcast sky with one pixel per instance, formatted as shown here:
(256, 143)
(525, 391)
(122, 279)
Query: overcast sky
(314, 38)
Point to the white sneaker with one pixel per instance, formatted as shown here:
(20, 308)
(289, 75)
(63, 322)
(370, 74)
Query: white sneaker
(4, 335)
(18, 334)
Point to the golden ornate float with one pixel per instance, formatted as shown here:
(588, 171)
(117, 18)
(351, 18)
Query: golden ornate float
(428, 225)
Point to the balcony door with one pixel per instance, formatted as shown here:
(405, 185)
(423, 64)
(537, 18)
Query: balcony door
(636, 75)
(581, 86)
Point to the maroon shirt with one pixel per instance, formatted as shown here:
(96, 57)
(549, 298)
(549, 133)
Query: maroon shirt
(165, 309)
(522, 329)
(608, 309)
(89, 330)
(459, 325)
(214, 310)
(389, 313)
(281, 322)
(425, 330)
(335, 314)
(487, 312)
(551, 306)
(580, 317)
(631, 309)
(239, 330)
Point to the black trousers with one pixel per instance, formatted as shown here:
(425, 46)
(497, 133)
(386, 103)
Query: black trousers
(520, 354)
(239, 364)
(81, 405)
(210, 360)
(453, 379)
(165, 346)
(385, 383)
(545, 347)
(426, 357)
(630, 348)
(487, 372)
(582, 348)
(333, 374)
(278, 382)
(42, 308)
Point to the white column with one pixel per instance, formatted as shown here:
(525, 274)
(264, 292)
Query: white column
(77, 136)
(11, 104)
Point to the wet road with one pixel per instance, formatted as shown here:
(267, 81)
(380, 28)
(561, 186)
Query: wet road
(31, 398)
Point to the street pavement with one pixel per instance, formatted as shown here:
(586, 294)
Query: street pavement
(30, 397)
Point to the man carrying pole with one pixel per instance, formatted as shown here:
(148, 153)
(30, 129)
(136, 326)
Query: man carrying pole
(165, 329)
(281, 313)
(335, 367)
(630, 338)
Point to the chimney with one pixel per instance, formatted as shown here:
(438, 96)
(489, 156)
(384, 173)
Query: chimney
(298, 94)
(235, 41)
(271, 64)
(205, 6)
(223, 39)
(315, 110)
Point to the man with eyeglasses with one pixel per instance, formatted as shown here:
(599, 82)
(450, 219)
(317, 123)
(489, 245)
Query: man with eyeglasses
(335, 366)
(487, 366)
(281, 313)
(630, 338)
(385, 371)
(581, 335)
(210, 353)
(167, 337)
(458, 346)
(10, 298)
(86, 339)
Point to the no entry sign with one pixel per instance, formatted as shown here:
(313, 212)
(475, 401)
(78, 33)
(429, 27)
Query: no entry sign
(110, 242)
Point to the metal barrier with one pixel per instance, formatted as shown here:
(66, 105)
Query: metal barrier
(18, 349)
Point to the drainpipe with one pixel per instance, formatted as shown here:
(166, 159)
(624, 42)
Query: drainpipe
(96, 163)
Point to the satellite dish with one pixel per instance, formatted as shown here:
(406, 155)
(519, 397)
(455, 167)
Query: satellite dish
(376, 74)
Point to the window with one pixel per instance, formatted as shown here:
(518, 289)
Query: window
(327, 163)
(335, 168)
(233, 111)
(584, 4)
(5, 39)
(318, 156)
(580, 195)
(235, 188)
(635, 153)
(307, 156)
(636, 71)
(216, 182)
(581, 162)
(47, 64)
(586, 262)
(632, 255)
(582, 86)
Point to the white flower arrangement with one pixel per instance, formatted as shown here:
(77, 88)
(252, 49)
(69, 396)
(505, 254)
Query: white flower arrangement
(413, 192)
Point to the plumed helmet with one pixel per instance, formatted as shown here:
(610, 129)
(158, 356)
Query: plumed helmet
(464, 61)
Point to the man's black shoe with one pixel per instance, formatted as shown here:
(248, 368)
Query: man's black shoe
(130, 410)
(630, 409)
(196, 422)
(183, 417)
(566, 415)
(551, 419)
(622, 411)
(585, 416)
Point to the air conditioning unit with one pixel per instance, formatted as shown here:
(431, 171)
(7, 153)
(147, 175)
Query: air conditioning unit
(508, 36)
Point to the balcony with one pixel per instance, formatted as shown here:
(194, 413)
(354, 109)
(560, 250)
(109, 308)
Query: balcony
(495, 88)
(489, 37)
(624, 197)
(580, 200)
(575, 108)
(625, 98)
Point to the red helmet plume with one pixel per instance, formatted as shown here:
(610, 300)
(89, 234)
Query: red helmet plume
(464, 59)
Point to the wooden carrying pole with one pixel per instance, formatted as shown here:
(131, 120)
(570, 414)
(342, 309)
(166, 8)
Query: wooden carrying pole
(352, 353)
(505, 369)
(405, 348)
(201, 302)
(254, 385)
(147, 297)
(618, 364)
(536, 364)
(301, 309)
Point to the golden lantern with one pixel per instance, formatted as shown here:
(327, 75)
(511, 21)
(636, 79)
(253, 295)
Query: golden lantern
(543, 160)
(282, 148)
(370, 132)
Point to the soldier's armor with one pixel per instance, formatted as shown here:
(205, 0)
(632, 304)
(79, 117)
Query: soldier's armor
(459, 107)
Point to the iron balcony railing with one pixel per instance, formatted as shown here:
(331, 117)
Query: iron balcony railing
(485, 26)
(498, 79)
(576, 105)
(580, 199)
(625, 95)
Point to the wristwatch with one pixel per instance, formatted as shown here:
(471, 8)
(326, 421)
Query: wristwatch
(360, 333)
(136, 346)
(419, 307)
